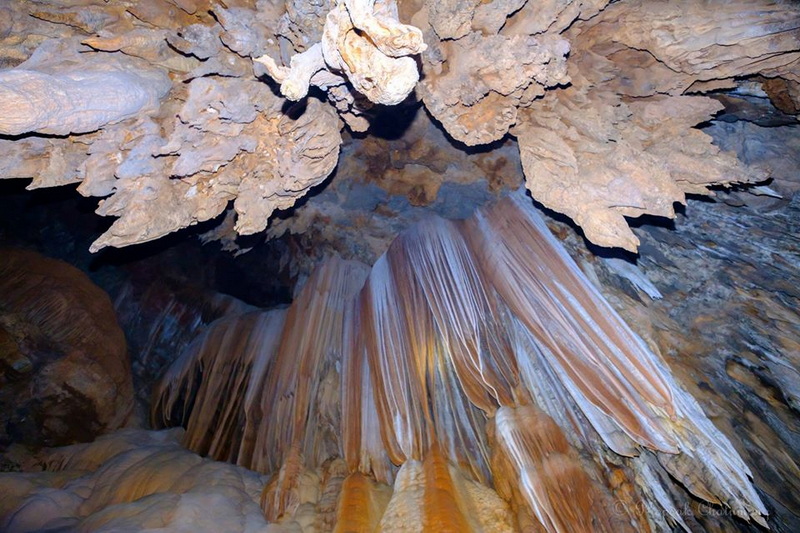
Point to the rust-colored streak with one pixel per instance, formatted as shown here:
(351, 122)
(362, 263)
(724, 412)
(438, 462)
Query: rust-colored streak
(442, 511)
(361, 505)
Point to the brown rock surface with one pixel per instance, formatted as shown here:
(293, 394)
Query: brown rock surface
(65, 370)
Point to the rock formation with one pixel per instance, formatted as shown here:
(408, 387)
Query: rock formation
(65, 374)
(133, 480)
(164, 108)
(741, 372)
(476, 376)
(470, 345)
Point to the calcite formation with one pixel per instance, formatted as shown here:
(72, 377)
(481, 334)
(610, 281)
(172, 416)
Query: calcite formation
(473, 365)
(640, 157)
(64, 370)
(473, 378)
(717, 294)
(476, 84)
(363, 42)
(47, 95)
(132, 480)
(165, 109)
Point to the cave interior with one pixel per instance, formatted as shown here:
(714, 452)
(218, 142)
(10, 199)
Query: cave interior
(399, 265)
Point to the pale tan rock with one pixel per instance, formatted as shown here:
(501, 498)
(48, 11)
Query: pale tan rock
(244, 32)
(132, 480)
(199, 40)
(376, 62)
(476, 90)
(295, 153)
(487, 65)
(47, 94)
(451, 19)
(598, 162)
(551, 16)
(649, 53)
(302, 22)
(226, 129)
(490, 17)
(50, 162)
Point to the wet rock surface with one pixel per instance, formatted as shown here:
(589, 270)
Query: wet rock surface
(604, 111)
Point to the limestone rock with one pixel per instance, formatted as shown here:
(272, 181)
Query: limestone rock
(597, 162)
(132, 480)
(451, 19)
(363, 42)
(741, 39)
(65, 370)
(120, 87)
(48, 95)
(476, 354)
(476, 89)
(296, 152)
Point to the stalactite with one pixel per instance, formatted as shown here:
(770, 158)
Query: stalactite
(549, 478)
(231, 359)
(476, 358)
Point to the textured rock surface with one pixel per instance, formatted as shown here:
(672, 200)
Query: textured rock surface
(602, 98)
(518, 374)
(363, 43)
(726, 325)
(132, 480)
(58, 92)
(159, 320)
(475, 85)
(605, 108)
(163, 163)
(65, 370)
(599, 159)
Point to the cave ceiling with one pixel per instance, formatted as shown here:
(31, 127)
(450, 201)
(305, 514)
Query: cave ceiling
(177, 112)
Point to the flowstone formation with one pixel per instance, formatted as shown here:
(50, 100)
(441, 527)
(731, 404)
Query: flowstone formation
(175, 112)
(473, 379)
(473, 365)
(133, 480)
